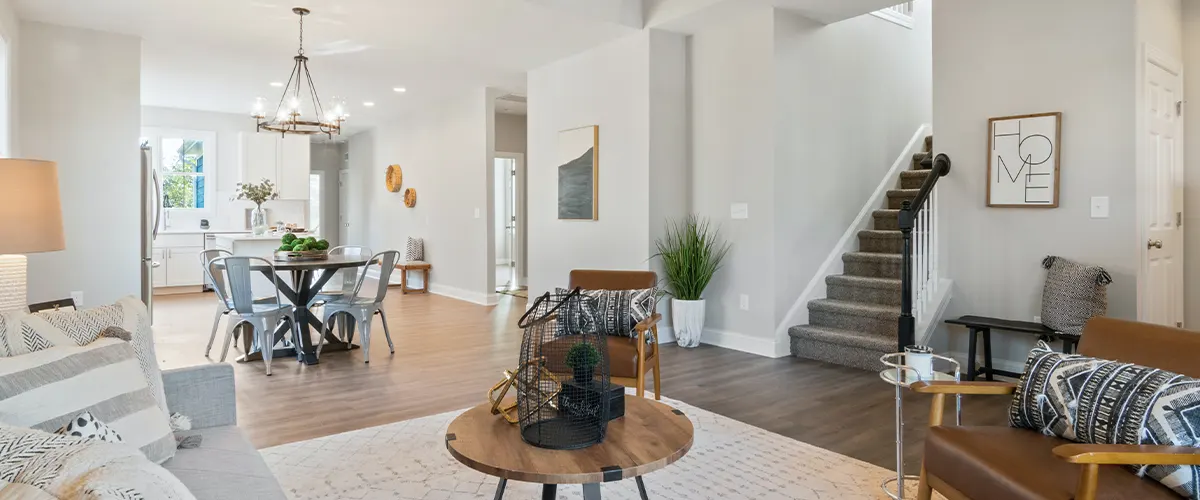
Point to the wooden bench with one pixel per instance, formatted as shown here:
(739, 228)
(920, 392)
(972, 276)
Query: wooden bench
(404, 267)
(981, 324)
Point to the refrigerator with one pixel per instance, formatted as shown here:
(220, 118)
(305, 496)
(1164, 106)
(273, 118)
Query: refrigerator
(151, 216)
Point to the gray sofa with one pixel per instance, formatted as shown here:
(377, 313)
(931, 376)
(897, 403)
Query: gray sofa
(225, 466)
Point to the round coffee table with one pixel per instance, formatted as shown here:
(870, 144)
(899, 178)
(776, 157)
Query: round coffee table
(649, 437)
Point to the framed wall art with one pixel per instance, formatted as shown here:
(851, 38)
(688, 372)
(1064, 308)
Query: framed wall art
(578, 173)
(1023, 160)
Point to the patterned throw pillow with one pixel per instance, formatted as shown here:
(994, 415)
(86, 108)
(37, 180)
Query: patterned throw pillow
(577, 314)
(23, 333)
(47, 389)
(1073, 294)
(1096, 401)
(89, 427)
(620, 310)
(415, 249)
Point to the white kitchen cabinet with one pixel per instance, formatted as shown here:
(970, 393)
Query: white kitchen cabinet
(159, 272)
(286, 161)
(294, 167)
(183, 266)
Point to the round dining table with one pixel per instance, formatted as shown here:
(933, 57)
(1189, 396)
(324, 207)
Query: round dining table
(307, 279)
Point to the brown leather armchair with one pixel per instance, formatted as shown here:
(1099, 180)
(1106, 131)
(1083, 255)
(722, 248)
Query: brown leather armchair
(629, 358)
(1004, 463)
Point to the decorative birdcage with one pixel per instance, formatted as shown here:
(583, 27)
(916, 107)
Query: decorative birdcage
(563, 396)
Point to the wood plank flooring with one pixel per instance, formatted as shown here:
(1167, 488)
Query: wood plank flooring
(449, 352)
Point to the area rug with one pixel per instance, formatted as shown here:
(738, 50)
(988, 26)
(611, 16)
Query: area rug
(728, 460)
(521, 292)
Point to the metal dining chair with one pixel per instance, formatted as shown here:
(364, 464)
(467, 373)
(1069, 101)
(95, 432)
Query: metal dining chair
(344, 280)
(364, 309)
(223, 304)
(262, 316)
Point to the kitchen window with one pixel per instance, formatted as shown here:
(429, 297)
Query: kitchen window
(185, 161)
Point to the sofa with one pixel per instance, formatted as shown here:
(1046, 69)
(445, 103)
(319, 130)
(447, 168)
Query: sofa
(225, 466)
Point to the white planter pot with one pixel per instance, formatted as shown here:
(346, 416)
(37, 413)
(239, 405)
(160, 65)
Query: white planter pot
(687, 319)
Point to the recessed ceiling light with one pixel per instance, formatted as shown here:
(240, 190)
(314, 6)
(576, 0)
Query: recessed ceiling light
(276, 84)
(399, 89)
(368, 104)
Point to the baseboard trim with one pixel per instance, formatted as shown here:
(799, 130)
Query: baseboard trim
(741, 342)
(394, 279)
(666, 335)
(482, 299)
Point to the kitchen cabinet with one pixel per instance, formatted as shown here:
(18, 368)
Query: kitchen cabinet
(286, 161)
(159, 272)
(183, 266)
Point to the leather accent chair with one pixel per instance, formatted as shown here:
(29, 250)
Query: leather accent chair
(629, 357)
(1003, 463)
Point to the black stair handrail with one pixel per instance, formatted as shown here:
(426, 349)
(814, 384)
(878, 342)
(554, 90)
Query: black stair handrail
(938, 166)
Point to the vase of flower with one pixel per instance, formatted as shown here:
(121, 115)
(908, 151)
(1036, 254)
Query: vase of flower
(258, 193)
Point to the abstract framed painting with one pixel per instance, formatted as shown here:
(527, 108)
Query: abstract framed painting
(1023, 160)
(579, 173)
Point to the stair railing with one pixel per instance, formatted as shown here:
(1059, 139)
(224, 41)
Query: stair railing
(919, 268)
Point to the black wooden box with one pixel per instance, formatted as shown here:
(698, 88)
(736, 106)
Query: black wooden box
(581, 399)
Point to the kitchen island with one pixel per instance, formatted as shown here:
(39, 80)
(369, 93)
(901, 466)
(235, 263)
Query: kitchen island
(254, 246)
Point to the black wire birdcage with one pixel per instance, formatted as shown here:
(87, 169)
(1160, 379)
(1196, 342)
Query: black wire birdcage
(563, 399)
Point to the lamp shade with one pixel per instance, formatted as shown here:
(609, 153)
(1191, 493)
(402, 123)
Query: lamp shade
(30, 211)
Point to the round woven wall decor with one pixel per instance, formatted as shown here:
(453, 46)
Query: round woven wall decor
(395, 178)
(410, 197)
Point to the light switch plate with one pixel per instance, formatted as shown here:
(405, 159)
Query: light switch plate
(476, 213)
(739, 211)
(1099, 207)
(744, 302)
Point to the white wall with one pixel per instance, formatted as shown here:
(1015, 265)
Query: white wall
(511, 133)
(1083, 53)
(614, 87)
(328, 157)
(88, 121)
(9, 31)
(444, 151)
(851, 95)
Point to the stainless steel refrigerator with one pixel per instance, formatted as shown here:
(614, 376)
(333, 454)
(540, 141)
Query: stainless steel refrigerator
(151, 214)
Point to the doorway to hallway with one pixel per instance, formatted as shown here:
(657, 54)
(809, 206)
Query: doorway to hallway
(509, 222)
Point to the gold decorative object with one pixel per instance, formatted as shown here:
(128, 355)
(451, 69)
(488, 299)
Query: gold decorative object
(410, 197)
(395, 177)
(545, 398)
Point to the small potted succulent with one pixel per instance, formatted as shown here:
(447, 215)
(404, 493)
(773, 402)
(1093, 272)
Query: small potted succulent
(258, 193)
(582, 358)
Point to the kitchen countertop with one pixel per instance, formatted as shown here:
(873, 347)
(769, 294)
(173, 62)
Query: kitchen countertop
(265, 237)
(203, 231)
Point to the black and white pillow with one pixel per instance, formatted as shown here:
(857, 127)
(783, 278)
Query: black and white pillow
(1073, 294)
(577, 314)
(87, 426)
(620, 310)
(415, 249)
(1097, 401)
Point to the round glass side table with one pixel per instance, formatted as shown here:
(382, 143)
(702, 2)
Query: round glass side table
(902, 376)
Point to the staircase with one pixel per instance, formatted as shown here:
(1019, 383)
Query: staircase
(858, 321)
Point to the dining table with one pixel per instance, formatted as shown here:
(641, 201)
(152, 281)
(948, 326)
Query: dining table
(307, 279)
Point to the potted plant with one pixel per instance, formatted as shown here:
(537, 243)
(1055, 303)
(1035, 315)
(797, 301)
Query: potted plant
(582, 359)
(258, 193)
(691, 253)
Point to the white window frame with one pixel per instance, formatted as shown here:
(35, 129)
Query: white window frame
(900, 14)
(155, 137)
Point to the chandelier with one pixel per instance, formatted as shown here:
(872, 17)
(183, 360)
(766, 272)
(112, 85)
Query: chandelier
(299, 97)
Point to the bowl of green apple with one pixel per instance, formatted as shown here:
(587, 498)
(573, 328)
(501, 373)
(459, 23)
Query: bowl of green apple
(294, 248)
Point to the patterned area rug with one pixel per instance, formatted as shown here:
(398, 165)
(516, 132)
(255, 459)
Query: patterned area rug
(728, 460)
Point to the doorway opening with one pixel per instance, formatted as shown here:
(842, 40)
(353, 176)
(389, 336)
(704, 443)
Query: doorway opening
(316, 202)
(508, 222)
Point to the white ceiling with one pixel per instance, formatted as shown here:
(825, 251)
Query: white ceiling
(218, 55)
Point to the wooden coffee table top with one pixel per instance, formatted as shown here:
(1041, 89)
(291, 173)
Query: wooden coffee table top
(649, 437)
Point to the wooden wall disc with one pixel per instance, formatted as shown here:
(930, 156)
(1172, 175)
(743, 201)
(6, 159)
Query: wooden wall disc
(395, 178)
(410, 197)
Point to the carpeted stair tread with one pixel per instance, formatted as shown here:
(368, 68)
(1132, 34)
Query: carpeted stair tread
(865, 289)
(886, 220)
(885, 241)
(917, 159)
(838, 336)
(879, 265)
(874, 311)
(912, 179)
(896, 197)
(928, 143)
(863, 282)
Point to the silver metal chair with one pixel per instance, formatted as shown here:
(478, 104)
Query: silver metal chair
(344, 280)
(363, 309)
(260, 315)
(223, 303)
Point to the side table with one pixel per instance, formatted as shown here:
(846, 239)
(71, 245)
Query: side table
(649, 437)
(902, 376)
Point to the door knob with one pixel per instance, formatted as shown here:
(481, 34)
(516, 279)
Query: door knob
(1154, 244)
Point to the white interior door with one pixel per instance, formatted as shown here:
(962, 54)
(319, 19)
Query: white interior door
(1160, 293)
(343, 201)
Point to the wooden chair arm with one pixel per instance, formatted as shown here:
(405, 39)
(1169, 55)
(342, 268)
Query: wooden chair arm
(966, 387)
(645, 324)
(1128, 454)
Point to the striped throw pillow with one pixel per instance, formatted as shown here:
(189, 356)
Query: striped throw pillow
(44, 390)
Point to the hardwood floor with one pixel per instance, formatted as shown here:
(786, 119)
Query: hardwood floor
(449, 352)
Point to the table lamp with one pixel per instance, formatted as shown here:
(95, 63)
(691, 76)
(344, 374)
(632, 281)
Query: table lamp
(30, 222)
